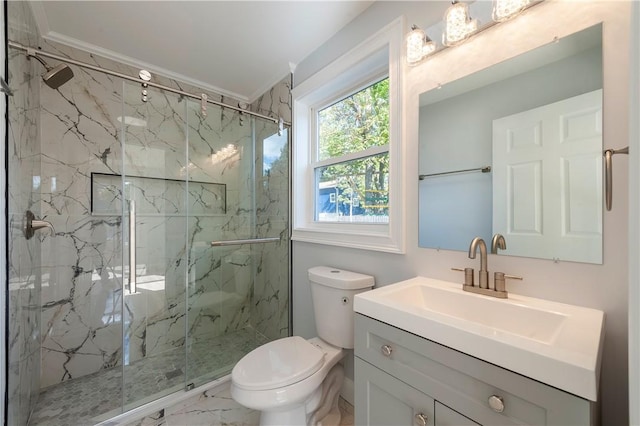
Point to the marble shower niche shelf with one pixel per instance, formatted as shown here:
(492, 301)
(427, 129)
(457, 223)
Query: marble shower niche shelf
(156, 196)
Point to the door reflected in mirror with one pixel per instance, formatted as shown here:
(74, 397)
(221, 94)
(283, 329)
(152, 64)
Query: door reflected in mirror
(516, 149)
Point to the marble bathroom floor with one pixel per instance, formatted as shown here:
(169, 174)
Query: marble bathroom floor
(76, 402)
(216, 407)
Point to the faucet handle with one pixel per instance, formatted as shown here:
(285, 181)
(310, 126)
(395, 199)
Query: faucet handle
(498, 242)
(513, 277)
(468, 275)
(499, 279)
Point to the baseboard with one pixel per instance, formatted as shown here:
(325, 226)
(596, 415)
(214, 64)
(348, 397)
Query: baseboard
(348, 390)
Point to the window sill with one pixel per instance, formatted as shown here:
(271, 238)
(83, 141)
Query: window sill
(369, 240)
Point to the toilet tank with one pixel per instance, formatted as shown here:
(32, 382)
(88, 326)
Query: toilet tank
(332, 291)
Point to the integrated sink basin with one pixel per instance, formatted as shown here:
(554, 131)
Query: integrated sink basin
(554, 343)
(518, 319)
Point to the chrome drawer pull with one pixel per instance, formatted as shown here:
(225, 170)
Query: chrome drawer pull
(421, 419)
(386, 350)
(496, 403)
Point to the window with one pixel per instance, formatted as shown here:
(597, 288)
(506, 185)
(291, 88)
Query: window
(352, 153)
(347, 187)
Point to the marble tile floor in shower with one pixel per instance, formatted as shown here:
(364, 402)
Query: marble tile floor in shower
(78, 401)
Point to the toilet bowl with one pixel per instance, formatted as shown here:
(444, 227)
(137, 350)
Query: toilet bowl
(294, 381)
(283, 375)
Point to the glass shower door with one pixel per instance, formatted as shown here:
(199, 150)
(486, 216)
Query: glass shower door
(221, 207)
(190, 178)
(229, 313)
(154, 182)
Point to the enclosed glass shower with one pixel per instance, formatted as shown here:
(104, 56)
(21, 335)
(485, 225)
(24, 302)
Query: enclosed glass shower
(168, 257)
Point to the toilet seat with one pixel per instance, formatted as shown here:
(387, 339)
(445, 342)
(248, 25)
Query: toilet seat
(277, 364)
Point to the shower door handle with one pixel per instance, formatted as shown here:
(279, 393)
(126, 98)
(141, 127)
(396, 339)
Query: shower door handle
(242, 242)
(132, 246)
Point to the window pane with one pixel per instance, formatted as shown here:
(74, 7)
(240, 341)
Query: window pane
(356, 123)
(354, 191)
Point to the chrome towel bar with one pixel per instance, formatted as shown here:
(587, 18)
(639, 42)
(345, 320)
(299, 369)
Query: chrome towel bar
(485, 169)
(247, 241)
(608, 174)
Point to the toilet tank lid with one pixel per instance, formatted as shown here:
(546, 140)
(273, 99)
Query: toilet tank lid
(338, 278)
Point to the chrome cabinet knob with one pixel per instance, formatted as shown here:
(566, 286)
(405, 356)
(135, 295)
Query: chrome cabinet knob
(421, 419)
(496, 403)
(386, 350)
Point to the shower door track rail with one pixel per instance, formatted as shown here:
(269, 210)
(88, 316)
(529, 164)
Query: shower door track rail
(247, 241)
(36, 52)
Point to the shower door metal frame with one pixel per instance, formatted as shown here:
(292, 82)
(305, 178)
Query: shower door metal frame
(4, 236)
(30, 51)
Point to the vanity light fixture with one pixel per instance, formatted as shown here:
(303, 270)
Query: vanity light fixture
(458, 25)
(419, 45)
(507, 9)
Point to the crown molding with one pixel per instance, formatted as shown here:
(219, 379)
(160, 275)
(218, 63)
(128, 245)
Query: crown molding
(128, 60)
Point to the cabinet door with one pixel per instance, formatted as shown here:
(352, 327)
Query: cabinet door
(383, 400)
(445, 416)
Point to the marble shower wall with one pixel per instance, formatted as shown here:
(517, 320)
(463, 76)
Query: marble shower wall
(81, 314)
(26, 277)
(81, 306)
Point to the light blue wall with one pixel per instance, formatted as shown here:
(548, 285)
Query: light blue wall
(598, 286)
(381, 13)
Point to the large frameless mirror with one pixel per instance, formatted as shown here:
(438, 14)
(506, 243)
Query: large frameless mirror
(516, 150)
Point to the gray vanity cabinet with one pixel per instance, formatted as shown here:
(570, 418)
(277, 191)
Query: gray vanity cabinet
(404, 379)
(390, 401)
(445, 416)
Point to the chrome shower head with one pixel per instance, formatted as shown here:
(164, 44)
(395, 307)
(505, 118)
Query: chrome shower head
(56, 76)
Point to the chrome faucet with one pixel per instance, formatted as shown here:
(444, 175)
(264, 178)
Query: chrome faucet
(483, 273)
(499, 288)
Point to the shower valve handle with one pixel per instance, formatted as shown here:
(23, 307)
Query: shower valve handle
(31, 225)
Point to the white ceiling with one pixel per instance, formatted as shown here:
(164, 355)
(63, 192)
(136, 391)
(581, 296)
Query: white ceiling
(236, 48)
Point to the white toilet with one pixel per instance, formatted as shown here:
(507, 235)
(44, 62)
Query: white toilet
(294, 381)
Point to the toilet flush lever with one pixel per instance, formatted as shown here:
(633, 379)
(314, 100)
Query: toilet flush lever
(31, 225)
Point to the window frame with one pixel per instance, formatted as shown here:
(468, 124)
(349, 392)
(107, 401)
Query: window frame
(314, 142)
(372, 60)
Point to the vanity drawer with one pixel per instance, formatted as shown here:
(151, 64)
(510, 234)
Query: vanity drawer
(463, 382)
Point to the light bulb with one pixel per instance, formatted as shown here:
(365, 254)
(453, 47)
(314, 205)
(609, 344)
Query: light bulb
(505, 9)
(458, 24)
(418, 45)
(428, 48)
(415, 42)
